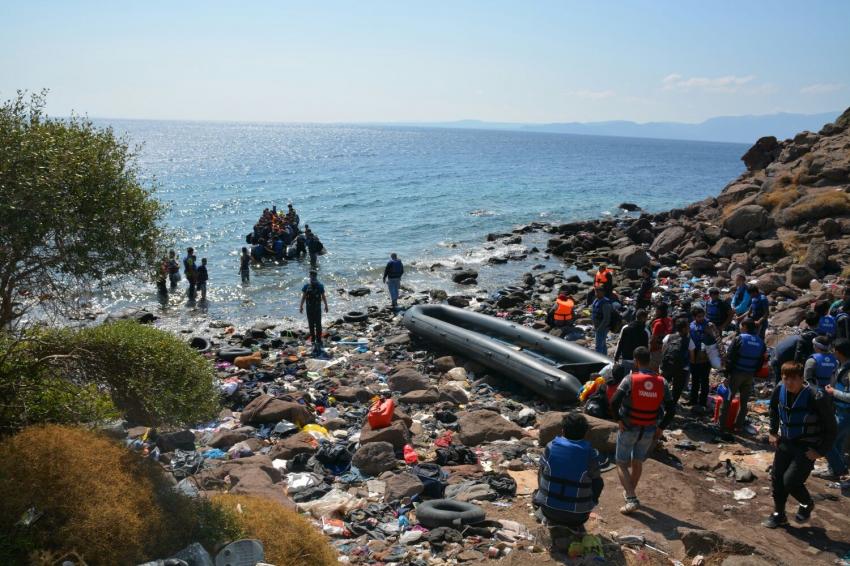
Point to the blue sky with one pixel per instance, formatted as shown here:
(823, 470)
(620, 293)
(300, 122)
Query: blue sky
(360, 61)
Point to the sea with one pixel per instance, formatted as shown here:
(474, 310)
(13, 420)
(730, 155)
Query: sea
(430, 195)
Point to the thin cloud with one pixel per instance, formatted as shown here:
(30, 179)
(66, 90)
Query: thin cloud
(592, 94)
(821, 88)
(725, 84)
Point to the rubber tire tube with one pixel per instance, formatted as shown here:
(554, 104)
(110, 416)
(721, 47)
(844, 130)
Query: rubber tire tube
(230, 354)
(200, 344)
(447, 513)
(355, 316)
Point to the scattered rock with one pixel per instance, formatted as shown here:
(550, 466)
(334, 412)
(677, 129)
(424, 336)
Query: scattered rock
(800, 276)
(406, 380)
(402, 485)
(745, 219)
(374, 458)
(396, 434)
(486, 426)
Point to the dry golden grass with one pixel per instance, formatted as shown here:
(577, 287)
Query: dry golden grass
(779, 198)
(817, 206)
(784, 180)
(288, 538)
(97, 498)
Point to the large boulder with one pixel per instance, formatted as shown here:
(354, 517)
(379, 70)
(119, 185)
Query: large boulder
(744, 219)
(406, 380)
(770, 282)
(726, 247)
(420, 397)
(791, 316)
(402, 485)
(171, 441)
(481, 426)
(769, 249)
(817, 255)
(445, 363)
(267, 409)
(374, 458)
(396, 434)
(602, 434)
(763, 153)
(668, 240)
(632, 257)
(800, 276)
(224, 439)
(291, 446)
(464, 275)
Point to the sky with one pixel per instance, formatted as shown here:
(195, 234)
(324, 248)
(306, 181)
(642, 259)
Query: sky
(388, 61)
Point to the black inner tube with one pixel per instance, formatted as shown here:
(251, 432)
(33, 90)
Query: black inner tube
(448, 512)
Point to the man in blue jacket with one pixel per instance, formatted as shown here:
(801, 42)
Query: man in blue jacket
(569, 482)
(392, 277)
(743, 360)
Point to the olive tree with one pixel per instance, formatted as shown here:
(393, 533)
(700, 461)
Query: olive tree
(72, 209)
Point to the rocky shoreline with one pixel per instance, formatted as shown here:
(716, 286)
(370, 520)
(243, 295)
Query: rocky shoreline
(487, 434)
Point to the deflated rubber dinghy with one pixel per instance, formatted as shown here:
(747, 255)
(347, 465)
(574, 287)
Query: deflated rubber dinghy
(551, 367)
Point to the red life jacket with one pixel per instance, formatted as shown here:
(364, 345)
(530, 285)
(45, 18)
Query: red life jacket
(643, 406)
(603, 278)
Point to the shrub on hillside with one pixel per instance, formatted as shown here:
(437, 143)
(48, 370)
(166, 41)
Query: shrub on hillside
(779, 198)
(31, 391)
(288, 538)
(153, 377)
(816, 206)
(96, 498)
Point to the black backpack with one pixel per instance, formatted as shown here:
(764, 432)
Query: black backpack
(672, 360)
(433, 478)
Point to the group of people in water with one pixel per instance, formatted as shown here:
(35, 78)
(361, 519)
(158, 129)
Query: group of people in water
(278, 236)
(655, 359)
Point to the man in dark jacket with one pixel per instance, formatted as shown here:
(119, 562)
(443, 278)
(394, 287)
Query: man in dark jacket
(392, 277)
(802, 428)
(632, 336)
(569, 479)
(675, 360)
(804, 346)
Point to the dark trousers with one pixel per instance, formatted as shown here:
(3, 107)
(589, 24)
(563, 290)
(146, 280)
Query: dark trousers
(678, 380)
(699, 383)
(556, 517)
(246, 275)
(791, 468)
(192, 289)
(314, 321)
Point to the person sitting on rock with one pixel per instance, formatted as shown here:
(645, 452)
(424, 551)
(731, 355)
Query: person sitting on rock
(562, 313)
(569, 481)
(645, 407)
(803, 429)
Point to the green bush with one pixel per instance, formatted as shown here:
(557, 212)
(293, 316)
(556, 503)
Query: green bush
(95, 374)
(33, 391)
(153, 377)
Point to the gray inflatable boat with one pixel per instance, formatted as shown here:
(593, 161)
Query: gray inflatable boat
(551, 367)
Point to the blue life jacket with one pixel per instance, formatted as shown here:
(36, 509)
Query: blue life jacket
(750, 354)
(698, 334)
(712, 311)
(564, 482)
(596, 311)
(800, 420)
(258, 251)
(825, 368)
(278, 248)
(827, 326)
(396, 268)
(741, 300)
(758, 306)
(841, 386)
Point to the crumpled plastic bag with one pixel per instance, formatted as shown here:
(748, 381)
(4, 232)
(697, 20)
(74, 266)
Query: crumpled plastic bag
(334, 502)
(300, 481)
(185, 463)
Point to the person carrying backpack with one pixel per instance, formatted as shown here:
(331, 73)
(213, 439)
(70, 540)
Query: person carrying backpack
(674, 358)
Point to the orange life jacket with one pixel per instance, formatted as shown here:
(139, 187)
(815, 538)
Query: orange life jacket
(603, 278)
(564, 310)
(643, 406)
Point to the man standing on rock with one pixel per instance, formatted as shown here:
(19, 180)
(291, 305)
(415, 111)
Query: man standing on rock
(745, 357)
(660, 327)
(647, 284)
(821, 366)
(569, 479)
(313, 294)
(675, 361)
(601, 317)
(632, 336)
(392, 277)
(700, 366)
(644, 407)
(839, 390)
(802, 428)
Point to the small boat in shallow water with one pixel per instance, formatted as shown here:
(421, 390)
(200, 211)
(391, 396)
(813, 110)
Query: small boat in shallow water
(551, 367)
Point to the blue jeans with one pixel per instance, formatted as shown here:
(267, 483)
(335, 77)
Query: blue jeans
(634, 443)
(835, 456)
(601, 335)
(393, 284)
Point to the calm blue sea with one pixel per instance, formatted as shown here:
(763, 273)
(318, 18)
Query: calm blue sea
(428, 194)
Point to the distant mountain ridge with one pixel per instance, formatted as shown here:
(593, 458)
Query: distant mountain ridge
(733, 129)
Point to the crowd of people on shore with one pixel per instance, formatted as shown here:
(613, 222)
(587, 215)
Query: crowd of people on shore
(687, 337)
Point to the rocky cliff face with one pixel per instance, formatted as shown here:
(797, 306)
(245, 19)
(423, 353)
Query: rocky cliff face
(786, 220)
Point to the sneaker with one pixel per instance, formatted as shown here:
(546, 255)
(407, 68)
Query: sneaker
(804, 512)
(826, 475)
(775, 520)
(632, 505)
